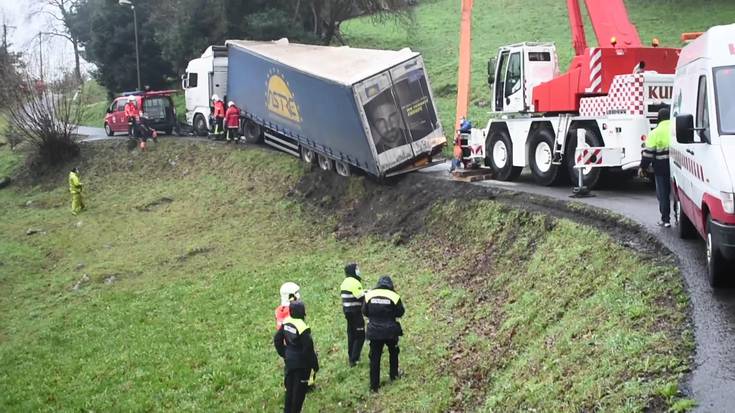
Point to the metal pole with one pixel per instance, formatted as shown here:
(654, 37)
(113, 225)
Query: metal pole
(137, 57)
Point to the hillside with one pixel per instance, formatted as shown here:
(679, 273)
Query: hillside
(161, 295)
(435, 33)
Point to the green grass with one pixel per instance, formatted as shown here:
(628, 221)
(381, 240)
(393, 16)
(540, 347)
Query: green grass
(435, 33)
(557, 320)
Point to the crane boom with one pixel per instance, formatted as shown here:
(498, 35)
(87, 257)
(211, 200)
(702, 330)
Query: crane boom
(465, 58)
(609, 20)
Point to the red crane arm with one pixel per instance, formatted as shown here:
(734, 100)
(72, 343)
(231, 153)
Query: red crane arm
(609, 20)
(579, 40)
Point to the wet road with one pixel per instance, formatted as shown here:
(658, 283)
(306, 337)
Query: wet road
(712, 382)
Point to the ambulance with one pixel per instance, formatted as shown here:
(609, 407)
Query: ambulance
(702, 155)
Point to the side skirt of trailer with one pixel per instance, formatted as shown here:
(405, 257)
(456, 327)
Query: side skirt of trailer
(281, 143)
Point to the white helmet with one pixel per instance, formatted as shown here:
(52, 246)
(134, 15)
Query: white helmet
(131, 98)
(215, 97)
(230, 103)
(289, 292)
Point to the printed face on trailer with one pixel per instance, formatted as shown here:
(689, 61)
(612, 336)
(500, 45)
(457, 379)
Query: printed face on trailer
(385, 121)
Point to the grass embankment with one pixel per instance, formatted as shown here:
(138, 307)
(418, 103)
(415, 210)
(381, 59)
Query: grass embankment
(178, 261)
(435, 33)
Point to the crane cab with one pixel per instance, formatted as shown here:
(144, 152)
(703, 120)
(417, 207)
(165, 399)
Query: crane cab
(516, 70)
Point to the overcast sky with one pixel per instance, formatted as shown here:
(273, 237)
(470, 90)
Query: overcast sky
(57, 52)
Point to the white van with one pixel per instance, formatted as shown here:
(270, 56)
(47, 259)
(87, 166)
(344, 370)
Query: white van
(703, 147)
(204, 77)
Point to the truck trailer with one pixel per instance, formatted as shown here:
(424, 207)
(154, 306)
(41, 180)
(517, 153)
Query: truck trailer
(345, 108)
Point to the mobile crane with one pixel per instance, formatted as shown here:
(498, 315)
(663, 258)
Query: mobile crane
(612, 91)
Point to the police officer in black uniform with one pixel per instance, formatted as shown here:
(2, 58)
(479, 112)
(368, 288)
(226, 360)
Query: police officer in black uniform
(382, 307)
(293, 343)
(353, 297)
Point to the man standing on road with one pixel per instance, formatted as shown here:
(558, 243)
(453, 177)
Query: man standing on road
(294, 344)
(75, 187)
(353, 297)
(232, 119)
(656, 153)
(382, 307)
(219, 116)
(132, 114)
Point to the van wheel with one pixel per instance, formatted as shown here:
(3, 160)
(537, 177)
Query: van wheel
(324, 163)
(252, 132)
(716, 264)
(342, 168)
(540, 153)
(499, 152)
(108, 130)
(307, 155)
(590, 176)
(685, 228)
(200, 126)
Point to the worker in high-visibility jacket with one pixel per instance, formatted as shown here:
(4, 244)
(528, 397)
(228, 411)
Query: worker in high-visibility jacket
(353, 297)
(75, 187)
(132, 114)
(382, 306)
(294, 344)
(219, 116)
(289, 292)
(656, 153)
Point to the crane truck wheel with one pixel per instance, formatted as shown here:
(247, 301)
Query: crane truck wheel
(716, 264)
(252, 132)
(200, 126)
(540, 154)
(590, 176)
(500, 157)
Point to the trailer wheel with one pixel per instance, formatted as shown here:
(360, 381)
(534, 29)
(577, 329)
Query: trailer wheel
(252, 132)
(684, 226)
(716, 264)
(307, 155)
(324, 163)
(342, 168)
(540, 154)
(200, 126)
(590, 176)
(500, 156)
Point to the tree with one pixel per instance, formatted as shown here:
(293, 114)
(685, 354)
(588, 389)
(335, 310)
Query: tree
(106, 31)
(63, 13)
(46, 118)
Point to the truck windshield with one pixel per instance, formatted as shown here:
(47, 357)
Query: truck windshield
(725, 95)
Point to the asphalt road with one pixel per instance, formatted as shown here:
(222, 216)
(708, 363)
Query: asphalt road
(712, 382)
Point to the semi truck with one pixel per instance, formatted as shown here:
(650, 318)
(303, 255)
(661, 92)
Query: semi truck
(344, 108)
(611, 93)
(702, 154)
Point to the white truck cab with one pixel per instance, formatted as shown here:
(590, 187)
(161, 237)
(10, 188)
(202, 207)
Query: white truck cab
(204, 77)
(703, 146)
(519, 68)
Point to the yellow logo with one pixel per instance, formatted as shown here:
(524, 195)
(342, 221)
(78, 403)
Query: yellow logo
(280, 100)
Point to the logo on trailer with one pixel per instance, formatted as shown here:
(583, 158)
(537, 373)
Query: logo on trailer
(279, 98)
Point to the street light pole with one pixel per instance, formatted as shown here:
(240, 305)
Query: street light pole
(135, 30)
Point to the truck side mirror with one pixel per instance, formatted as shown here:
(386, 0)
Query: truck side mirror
(491, 71)
(685, 129)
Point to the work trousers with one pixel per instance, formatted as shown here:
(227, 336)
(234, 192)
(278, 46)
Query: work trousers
(218, 130)
(355, 335)
(376, 351)
(296, 384)
(132, 126)
(232, 135)
(663, 193)
(77, 204)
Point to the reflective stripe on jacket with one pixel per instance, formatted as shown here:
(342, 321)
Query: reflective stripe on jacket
(75, 186)
(293, 342)
(232, 117)
(353, 296)
(656, 151)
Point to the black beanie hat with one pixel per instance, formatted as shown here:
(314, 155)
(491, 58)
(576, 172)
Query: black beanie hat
(350, 269)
